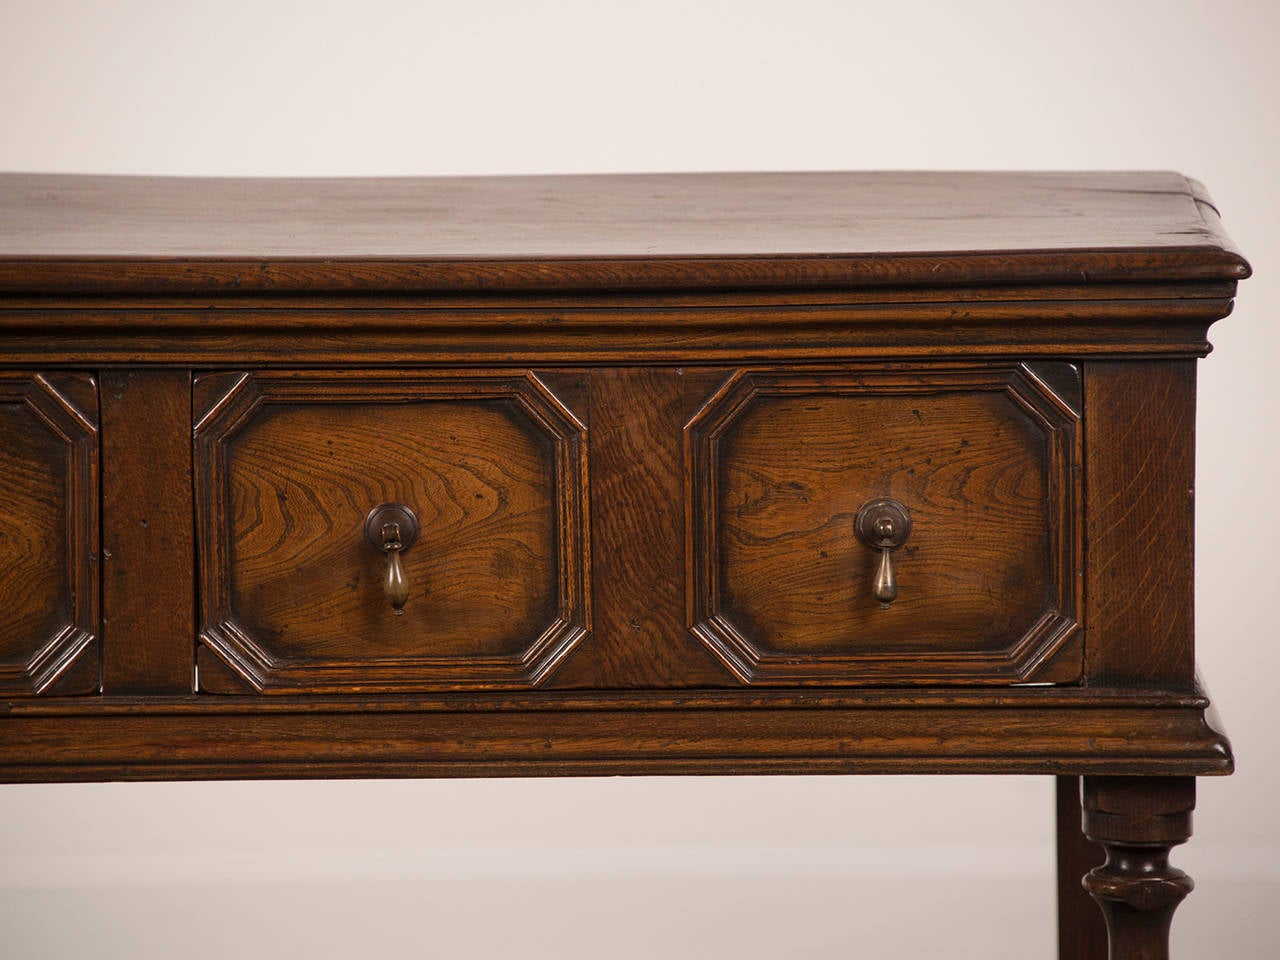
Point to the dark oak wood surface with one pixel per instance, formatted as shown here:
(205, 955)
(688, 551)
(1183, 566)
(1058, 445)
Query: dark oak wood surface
(1141, 480)
(1024, 730)
(1082, 930)
(636, 416)
(49, 595)
(290, 465)
(148, 552)
(1137, 821)
(986, 457)
(737, 330)
(146, 234)
(637, 542)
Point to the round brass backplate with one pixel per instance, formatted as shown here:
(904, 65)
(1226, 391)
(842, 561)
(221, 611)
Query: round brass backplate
(382, 516)
(883, 524)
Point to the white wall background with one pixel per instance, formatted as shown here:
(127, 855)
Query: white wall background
(894, 868)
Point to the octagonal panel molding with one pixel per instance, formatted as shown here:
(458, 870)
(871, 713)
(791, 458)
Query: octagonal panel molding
(288, 467)
(986, 459)
(49, 533)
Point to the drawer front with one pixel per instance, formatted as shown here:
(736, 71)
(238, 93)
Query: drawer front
(294, 593)
(984, 460)
(48, 534)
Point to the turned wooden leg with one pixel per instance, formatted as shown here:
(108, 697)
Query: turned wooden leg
(1136, 820)
(1082, 933)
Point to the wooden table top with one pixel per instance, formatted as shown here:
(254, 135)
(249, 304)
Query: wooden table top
(72, 233)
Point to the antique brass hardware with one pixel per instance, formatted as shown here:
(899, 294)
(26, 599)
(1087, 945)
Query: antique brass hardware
(392, 528)
(883, 525)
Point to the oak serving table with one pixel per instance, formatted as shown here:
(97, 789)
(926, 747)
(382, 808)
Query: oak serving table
(750, 473)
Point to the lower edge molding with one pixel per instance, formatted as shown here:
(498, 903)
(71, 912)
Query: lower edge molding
(1167, 741)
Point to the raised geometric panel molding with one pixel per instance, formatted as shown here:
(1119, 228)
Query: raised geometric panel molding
(984, 460)
(48, 533)
(294, 596)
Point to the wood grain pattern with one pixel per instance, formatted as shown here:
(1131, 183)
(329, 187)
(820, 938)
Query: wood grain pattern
(148, 539)
(986, 462)
(1014, 697)
(236, 307)
(639, 639)
(917, 335)
(600, 330)
(1140, 484)
(555, 737)
(1082, 932)
(451, 351)
(1137, 820)
(49, 610)
(291, 464)
(692, 230)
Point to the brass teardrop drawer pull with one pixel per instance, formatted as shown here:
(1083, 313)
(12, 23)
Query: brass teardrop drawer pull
(392, 528)
(883, 525)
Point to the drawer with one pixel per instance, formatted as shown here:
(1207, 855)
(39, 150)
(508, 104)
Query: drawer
(293, 598)
(49, 593)
(984, 460)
